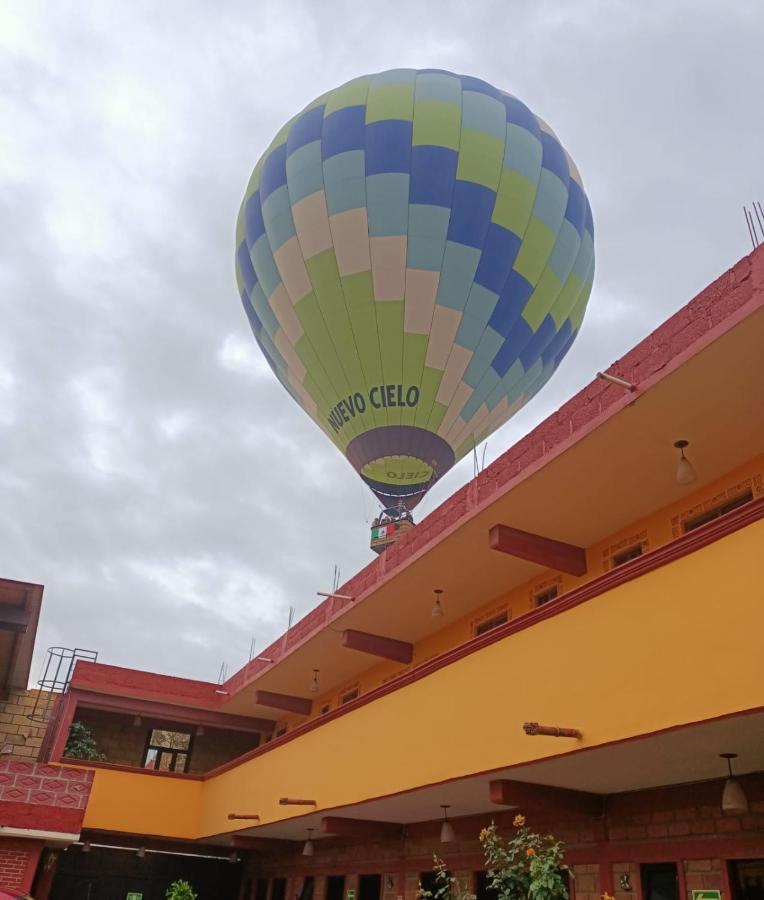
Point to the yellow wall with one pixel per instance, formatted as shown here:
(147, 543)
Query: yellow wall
(602, 666)
(138, 803)
(657, 531)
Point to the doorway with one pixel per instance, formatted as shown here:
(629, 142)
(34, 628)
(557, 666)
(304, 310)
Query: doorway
(369, 887)
(747, 879)
(660, 881)
(335, 887)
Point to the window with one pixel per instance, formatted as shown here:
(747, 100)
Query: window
(543, 597)
(167, 751)
(490, 624)
(349, 695)
(624, 556)
(710, 514)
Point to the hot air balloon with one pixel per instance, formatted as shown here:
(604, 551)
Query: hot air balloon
(415, 255)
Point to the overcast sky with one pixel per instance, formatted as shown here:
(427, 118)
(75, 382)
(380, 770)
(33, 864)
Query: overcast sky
(154, 475)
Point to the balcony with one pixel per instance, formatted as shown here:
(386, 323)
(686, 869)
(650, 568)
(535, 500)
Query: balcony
(597, 660)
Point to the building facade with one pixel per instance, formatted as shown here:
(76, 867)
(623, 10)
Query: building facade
(574, 635)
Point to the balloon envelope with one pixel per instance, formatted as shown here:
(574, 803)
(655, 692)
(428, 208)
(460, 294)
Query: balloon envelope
(414, 254)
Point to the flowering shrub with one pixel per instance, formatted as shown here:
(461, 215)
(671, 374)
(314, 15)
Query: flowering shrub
(527, 866)
(446, 886)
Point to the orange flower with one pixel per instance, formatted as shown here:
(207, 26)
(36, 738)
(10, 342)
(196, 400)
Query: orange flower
(518, 821)
(530, 852)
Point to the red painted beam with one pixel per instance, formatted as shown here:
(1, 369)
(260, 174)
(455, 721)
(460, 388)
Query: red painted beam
(287, 702)
(527, 797)
(366, 828)
(153, 710)
(537, 549)
(377, 645)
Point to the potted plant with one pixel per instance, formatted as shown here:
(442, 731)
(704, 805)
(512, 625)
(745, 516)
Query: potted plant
(180, 890)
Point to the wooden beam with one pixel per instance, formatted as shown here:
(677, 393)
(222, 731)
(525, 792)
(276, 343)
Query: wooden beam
(377, 645)
(537, 549)
(287, 702)
(365, 828)
(529, 797)
(292, 801)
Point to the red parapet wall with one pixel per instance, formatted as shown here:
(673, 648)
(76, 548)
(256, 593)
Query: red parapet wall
(43, 797)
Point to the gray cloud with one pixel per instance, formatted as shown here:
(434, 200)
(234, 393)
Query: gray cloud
(153, 474)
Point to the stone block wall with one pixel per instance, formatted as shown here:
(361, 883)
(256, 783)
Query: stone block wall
(19, 735)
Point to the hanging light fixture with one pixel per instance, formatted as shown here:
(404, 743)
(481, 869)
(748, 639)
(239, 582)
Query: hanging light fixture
(685, 473)
(137, 722)
(308, 849)
(437, 606)
(734, 799)
(200, 730)
(141, 854)
(86, 846)
(446, 829)
(314, 682)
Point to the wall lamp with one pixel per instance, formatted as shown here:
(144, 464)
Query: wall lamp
(623, 881)
(314, 682)
(308, 849)
(437, 606)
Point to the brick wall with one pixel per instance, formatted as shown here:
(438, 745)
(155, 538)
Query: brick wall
(683, 824)
(19, 735)
(124, 743)
(15, 859)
